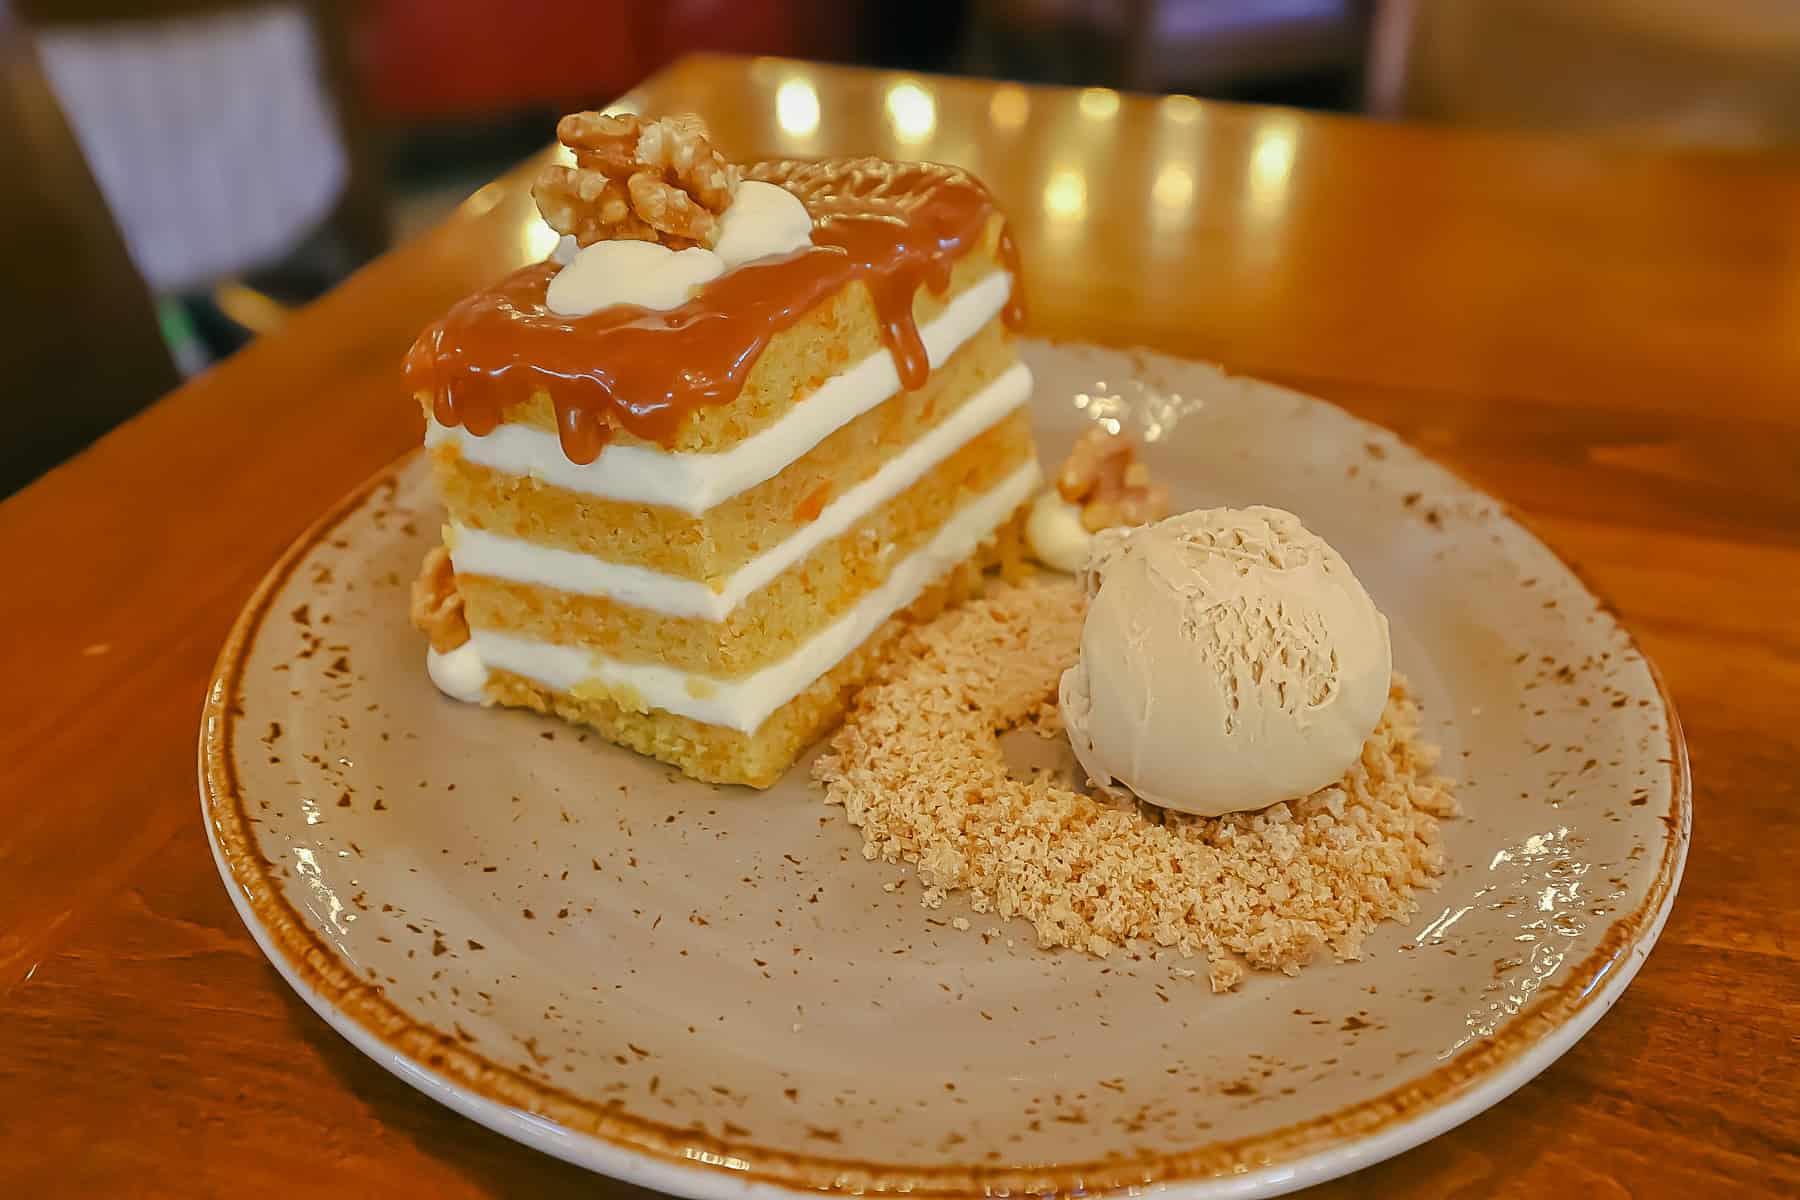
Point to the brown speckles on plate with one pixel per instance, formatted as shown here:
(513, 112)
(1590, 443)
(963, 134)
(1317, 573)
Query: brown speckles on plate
(833, 1053)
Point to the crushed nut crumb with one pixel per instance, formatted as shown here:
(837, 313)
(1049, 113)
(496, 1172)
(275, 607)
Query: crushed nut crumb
(919, 769)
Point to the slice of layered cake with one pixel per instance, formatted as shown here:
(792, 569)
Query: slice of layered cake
(702, 464)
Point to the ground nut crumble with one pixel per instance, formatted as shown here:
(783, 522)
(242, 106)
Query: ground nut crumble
(919, 769)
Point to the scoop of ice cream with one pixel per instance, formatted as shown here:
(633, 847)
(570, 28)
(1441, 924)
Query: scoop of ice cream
(1229, 660)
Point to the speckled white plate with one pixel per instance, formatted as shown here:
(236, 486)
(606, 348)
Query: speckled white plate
(707, 990)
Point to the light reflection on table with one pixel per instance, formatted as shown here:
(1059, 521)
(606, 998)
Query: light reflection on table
(912, 111)
(797, 108)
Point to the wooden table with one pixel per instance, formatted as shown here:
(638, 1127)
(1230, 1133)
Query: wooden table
(1607, 338)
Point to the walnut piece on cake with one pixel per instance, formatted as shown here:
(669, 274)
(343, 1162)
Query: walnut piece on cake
(437, 607)
(1103, 477)
(652, 180)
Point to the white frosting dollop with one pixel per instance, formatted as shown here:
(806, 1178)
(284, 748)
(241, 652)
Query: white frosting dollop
(459, 674)
(563, 253)
(1229, 660)
(645, 274)
(1055, 533)
(762, 221)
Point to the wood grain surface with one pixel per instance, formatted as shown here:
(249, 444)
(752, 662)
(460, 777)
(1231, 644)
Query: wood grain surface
(1607, 338)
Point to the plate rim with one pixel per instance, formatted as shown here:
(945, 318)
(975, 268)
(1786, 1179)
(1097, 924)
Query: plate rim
(684, 1161)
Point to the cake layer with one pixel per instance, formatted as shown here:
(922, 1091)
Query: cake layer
(710, 548)
(692, 482)
(776, 619)
(743, 703)
(481, 552)
(719, 755)
(843, 329)
(828, 332)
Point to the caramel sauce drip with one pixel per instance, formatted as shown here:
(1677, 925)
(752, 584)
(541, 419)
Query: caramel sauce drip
(894, 226)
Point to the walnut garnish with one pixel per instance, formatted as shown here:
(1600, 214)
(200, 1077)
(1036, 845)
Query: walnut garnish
(648, 180)
(1104, 478)
(437, 607)
(588, 205)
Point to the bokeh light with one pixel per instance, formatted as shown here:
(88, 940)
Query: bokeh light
(912, 112)
(797, 108)
(1009, 106)
(1065, 195)
(1099, 104)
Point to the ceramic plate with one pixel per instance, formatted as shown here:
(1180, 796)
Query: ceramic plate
(708, 990)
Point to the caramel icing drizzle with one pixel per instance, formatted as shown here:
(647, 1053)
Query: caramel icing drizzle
(894, 226)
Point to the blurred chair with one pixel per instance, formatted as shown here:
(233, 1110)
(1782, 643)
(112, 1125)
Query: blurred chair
(1696, 72)
(229, 138)
(80, 348)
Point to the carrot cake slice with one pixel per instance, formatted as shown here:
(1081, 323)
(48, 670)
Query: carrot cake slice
(702, 465)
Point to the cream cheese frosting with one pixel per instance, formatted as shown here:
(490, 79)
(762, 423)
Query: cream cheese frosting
(763, 221)
(744, 703)
(1055, 533)
(459, 674)
(694, 482)
(479, 552)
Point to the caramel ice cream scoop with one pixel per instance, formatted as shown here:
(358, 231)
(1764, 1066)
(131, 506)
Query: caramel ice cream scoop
(1229, 660)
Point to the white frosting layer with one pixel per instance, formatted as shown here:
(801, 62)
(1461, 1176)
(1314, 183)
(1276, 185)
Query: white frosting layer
(646, 274)
(764, 220)
(1055, 533)
(695, 482)
(459, 674)
(745, 703)
(478, 552)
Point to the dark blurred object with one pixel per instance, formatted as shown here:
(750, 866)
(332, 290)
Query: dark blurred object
(891, 35)
(1695, 72)
(278, 265)
(1305, 50)
(80, 349)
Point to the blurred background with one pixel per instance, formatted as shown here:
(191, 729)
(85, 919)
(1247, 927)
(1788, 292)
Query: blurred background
(190, 171)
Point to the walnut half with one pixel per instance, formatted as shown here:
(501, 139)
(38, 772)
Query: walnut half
(437, 607)
(1103, 477)
(655, 180)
